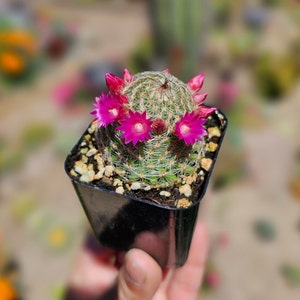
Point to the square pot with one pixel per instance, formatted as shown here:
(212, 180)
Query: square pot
(122, 222)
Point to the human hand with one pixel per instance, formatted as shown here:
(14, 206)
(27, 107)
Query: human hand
(141, 277)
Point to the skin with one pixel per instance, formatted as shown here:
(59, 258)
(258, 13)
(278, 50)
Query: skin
(141, 277)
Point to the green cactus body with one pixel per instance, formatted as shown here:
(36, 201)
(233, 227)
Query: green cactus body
(161, 161)
(151, 137)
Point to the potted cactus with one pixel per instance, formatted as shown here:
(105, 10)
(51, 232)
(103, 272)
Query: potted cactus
(142, 166)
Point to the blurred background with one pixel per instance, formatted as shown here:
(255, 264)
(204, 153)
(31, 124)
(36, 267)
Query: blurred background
(53, 57)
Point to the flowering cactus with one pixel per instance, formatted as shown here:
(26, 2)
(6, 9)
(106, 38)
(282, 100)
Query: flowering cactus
(148, 134)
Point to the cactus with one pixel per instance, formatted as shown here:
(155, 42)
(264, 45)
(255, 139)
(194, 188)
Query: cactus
(148, 134)
(178, 33)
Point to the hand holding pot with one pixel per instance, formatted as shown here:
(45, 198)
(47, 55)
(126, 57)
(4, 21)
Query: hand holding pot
(141, 277)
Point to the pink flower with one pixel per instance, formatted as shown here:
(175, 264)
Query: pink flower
(212, 279)
(205, 111)
(199, 98)
(109, 109)
(113, 82)
(196, 83)
(127, 76)
(190, 128)
(136, 127)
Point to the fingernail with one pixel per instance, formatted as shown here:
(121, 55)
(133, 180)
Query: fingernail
(134, 274)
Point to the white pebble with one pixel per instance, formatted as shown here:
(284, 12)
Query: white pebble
(165, 193)
(185, 190)
(120, 190)
(136, 186)
(109, 170)
(88, 176)
(91, 152)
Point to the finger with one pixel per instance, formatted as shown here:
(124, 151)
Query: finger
(139, 277)
(186, 280)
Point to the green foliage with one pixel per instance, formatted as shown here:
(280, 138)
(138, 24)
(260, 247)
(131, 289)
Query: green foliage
(275, 76)
(291, 274)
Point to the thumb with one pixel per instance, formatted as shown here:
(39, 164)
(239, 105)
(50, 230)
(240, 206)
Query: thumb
(139, 277)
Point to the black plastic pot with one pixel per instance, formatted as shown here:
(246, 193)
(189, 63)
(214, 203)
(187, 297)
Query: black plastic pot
(121, 222)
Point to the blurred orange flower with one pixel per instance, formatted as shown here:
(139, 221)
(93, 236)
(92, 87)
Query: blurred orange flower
(6, 290)
(11, 63)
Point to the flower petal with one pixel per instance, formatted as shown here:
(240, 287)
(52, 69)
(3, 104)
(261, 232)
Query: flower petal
(136, 127)
(113, 82)
(127, 76)
(190, 128)
(109, 109)
(205, 111)
(199, 98)
(196, 83)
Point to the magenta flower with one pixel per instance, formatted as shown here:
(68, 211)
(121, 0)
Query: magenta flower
(109, 109)
(196, 83)
(127, 76)
(205, 111)
(113, 82)
(199, 98)
(190, 128)
(136, 127)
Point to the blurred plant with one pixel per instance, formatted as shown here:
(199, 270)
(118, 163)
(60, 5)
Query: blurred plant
(222, 11)
(264, 229)
(52, 233)
(294, 181)
(10, 158)
(242, 46)
(178, 34)
(56, 36)
(19, 54)
(291, 274)
(142, 55)
(35, 135)
(275, 76)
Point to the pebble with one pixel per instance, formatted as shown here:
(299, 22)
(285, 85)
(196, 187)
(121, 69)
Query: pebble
(184, 202)
(136, 186)
(118, 182)
(91, 152)
(206, 163)
(109, 171)
(84, 150)
(80, 167)
(120, 190)
(185, 190)
(88, 176)
(73, 173)
(99, 174)
(213, 131)
(165, 193)
(147, 187)
(211, 147)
